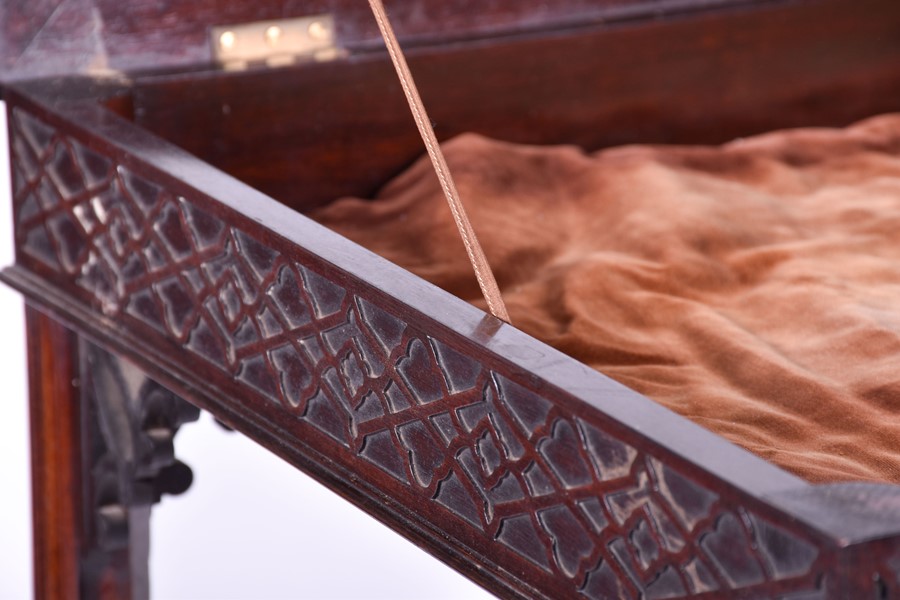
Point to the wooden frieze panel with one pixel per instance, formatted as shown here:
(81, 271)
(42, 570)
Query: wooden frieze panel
(479, 461)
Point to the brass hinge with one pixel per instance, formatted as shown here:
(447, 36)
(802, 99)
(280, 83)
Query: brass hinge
(275, 43)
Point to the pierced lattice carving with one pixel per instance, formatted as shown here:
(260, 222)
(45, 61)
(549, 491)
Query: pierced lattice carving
(561, 493)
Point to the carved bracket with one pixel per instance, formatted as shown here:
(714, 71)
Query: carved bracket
(129, 423)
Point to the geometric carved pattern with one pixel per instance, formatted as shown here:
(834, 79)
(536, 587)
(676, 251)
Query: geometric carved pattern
(557, 491)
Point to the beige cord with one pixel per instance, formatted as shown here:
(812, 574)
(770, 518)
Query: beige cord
(483, 273)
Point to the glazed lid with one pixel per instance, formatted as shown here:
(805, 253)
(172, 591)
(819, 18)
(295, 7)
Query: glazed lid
(41, 38)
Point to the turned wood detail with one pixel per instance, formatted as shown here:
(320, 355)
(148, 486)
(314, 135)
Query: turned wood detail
(559, 499)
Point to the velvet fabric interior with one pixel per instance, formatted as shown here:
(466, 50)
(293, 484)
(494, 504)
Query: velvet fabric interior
(753, 287)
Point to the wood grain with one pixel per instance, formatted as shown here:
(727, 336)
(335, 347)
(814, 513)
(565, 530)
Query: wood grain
(310, 134)
(520, 467)
(55, 456)
(50, 37)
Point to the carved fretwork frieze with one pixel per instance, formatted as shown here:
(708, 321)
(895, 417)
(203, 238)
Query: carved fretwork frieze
(543, 492)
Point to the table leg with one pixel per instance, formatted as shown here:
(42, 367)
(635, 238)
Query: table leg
(55, 456)
(102, 454)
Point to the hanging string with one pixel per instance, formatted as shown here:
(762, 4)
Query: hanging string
(483, 273)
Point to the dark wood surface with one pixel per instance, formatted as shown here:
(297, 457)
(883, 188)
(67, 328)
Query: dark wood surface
(101, 455)
(523, 469)
(311, 134)
(520, 467)
(52, 37)
(55, 456)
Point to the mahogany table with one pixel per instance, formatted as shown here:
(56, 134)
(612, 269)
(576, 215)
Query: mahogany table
(521, 468)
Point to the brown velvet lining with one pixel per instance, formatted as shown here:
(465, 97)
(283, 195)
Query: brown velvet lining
(753, 287)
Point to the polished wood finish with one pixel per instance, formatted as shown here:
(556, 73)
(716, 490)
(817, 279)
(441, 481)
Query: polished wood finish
(308, 135)
(101, 456)
(53, 37)
(528, 472)
(55, 456)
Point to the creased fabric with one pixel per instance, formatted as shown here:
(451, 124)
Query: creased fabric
(753, 287)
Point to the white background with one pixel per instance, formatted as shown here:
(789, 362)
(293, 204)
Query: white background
(250, 527)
